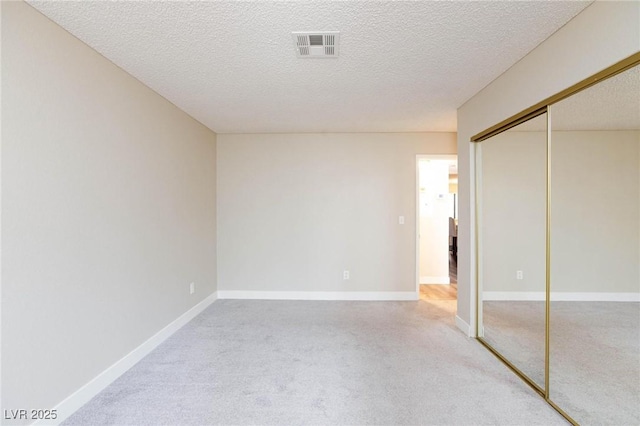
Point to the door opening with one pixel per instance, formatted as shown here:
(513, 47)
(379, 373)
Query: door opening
(437, 225)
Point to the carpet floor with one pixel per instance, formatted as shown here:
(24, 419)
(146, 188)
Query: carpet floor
(595, 361)
(319, 363)
(594, 354)
(517, 330)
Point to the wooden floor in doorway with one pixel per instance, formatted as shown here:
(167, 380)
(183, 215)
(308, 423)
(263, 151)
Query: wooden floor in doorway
(438, 291)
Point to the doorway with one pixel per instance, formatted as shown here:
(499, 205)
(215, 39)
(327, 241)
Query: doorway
(436, 225)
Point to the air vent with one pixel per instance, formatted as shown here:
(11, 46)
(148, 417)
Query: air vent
(316, 44)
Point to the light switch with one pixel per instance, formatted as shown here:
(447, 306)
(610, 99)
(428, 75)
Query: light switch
(401, 220)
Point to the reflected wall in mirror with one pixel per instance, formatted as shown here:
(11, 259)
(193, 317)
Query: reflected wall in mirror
(594, 355)
(512, 188)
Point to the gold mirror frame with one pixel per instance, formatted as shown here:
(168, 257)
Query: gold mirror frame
(528, 114)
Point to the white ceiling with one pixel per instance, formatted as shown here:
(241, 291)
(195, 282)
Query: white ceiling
(612, 104)
(403, 66)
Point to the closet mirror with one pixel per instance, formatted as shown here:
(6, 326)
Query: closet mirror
(594, 358)
(511, 184)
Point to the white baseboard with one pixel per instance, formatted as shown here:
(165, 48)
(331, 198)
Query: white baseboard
(560, 296)
(514, 295)
(80, 397)
(462, 325)
(435, 280)
(320, 295)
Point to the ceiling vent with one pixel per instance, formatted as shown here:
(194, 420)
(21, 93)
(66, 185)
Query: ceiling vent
(316, 44)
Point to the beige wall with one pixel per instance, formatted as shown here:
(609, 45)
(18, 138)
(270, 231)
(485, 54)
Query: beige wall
(595, 211)
(108, 211)
(513, 211)
(603, 34)
(296, 210)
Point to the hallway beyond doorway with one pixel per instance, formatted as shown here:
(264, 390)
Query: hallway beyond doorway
(436, 223)
(442, 291)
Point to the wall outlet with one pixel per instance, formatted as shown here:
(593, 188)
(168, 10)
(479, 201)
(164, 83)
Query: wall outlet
(345, 275)
(192, 288)
(401, 220)
(519, 275)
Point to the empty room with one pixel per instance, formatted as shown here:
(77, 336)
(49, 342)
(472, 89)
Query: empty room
(319, 213)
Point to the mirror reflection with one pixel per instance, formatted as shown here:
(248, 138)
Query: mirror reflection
(512, 186)
(595, 252)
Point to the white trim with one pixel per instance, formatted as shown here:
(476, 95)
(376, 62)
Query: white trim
(435, 280)
(80, 397)
(474, 273)
(1, 316)
(320, 295)
(513, 295)
(417, 224)
(462, 325)
(561, 296)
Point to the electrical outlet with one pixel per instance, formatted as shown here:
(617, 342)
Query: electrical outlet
(345, 275)
(401, 220)
(519, 275)
(192, 288)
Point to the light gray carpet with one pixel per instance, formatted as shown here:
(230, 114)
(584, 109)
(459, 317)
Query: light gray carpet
(517, 330)
(595, 361)
(594, 354)
(302, 363)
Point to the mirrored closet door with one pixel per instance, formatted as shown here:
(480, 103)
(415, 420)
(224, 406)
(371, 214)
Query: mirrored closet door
(558, 246)
(512, 183)
(594, 354)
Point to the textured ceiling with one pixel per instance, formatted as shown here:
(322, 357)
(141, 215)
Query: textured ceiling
(613, 104)
(403, 66)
